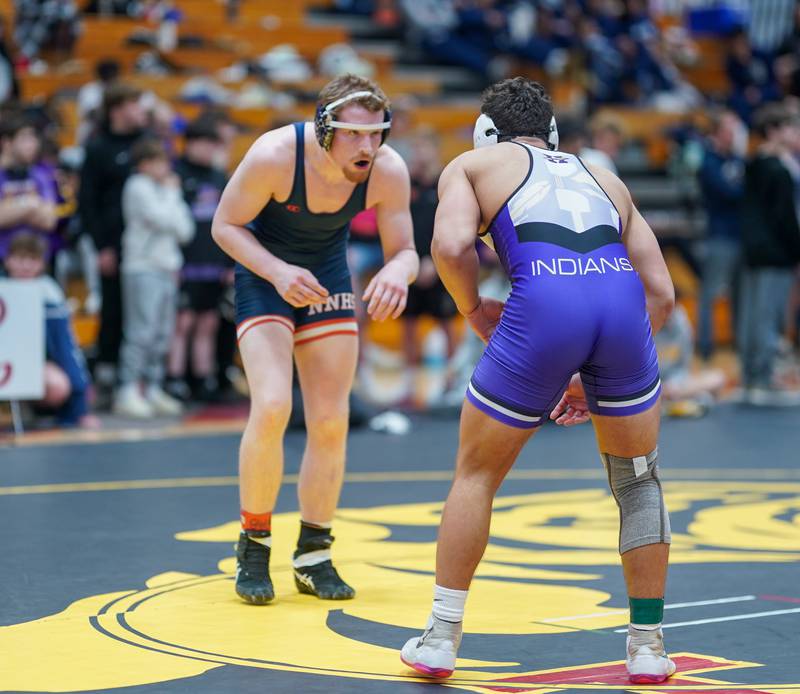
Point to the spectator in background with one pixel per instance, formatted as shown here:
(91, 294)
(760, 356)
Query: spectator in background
(9, 87)
(45, 24)
(157, 222)
(721, 179)
(66, 379)
(751, 75)
(105, 170)
(364, 258)
(606, 137)
(687, 392)
(90, 98)
(771, 248)
(434, 27)
(206, 272)
(403, 108)
(28, 191)
(427, 296)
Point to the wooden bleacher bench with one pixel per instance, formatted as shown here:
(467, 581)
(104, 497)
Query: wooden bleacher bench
(250, 11)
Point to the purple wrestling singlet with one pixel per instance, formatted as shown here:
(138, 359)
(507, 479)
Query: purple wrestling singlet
(576, 303)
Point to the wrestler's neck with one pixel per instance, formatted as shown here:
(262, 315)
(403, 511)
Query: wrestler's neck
(325, 165)
(533, 141)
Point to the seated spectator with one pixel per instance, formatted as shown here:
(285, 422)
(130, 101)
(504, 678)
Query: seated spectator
(9, 87)
(206, 273)
(752, 76)
(687, 392)
(157, 221)
(45, 25)
(28, 191)
(66, 377)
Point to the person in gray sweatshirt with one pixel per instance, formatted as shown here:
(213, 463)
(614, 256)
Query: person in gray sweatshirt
(157, 223)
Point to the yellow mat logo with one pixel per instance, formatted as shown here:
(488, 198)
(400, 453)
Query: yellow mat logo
(182, 625)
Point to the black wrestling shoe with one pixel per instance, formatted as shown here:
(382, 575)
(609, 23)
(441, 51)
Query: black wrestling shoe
(253, 583)
(323, 581)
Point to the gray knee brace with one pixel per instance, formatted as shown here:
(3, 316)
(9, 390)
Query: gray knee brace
(637, 490)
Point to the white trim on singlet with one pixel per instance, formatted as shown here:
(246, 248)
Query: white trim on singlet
(630, 403)
(500, 408)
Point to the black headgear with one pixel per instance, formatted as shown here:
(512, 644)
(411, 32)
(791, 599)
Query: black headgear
(324, 124)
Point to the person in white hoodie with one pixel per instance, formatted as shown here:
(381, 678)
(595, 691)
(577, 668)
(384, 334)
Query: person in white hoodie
(157, 223)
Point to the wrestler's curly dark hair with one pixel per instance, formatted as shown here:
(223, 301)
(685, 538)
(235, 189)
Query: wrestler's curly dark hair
(519, 107)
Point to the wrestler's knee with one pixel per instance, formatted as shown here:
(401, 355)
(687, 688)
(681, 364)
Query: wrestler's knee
(637, 490)
(329, 430)
(269, 412)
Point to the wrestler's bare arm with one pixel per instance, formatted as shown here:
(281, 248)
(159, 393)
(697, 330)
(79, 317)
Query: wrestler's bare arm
(643, 249)
(390, 192)
(249, 189)
(458, 218)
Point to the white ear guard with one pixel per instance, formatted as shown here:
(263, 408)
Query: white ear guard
(552, 137)
(486, 133)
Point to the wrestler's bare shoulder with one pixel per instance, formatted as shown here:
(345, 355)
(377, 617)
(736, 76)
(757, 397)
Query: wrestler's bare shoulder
(477, 161)
(389, 173)
(274, 148)
(389, 164)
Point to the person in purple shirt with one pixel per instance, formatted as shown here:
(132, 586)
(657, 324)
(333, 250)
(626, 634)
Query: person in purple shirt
(574, 337)
(28, 192)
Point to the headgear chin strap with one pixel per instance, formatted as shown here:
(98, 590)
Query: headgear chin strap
(486, 133)
(324, 124)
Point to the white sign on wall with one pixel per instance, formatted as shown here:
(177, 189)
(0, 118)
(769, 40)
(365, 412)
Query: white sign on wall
(22, 353)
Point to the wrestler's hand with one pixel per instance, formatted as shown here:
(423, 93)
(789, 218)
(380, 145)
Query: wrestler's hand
(387, 292)
(485, 317)
(298, 287)
(572, 409)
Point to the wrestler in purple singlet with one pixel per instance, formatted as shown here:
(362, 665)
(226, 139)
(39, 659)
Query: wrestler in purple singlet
(577, 303)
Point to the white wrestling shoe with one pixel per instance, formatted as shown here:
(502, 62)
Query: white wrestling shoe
(434, 653)
(647, 661)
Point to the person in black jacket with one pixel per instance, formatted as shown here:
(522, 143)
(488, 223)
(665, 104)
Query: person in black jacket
(106, 168)
(207, 269)
(771, 248)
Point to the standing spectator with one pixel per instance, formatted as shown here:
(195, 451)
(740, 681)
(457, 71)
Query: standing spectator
(207, 270)
(45, 24)
(157, 220)
(105, 169)
(28, 192)
(90, 98)
(66, 379)
(721, 179)
(771, 247)
(427, 296)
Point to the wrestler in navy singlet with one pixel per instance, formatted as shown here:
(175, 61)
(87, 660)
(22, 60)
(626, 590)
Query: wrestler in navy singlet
(316, 241)
(576, 303)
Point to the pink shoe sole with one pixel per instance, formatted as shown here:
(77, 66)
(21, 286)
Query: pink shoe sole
(439, 673)
(648, 679)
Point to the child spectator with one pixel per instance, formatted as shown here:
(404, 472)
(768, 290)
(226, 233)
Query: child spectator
(66, 379)
(157, 220)
(28, 192)
(207, 269)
